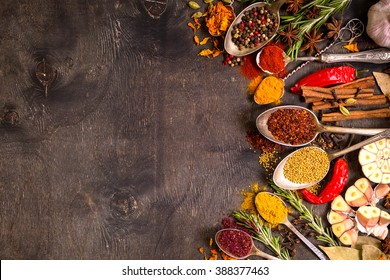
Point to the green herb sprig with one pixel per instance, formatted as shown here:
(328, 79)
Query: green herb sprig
(304, 25)
(261, 232)
(315, 222)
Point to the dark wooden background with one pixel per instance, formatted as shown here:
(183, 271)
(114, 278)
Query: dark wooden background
(139, 148)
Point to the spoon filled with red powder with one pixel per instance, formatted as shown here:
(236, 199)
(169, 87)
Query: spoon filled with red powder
(238, 244)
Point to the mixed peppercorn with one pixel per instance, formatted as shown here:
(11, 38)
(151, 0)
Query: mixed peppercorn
(257, 25)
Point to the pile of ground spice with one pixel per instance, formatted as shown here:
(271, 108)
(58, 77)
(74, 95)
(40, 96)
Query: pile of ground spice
(248, 203)
(249, 68)
(260, 143)
(269, 160)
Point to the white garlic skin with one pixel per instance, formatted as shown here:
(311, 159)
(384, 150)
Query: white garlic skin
(378, 24)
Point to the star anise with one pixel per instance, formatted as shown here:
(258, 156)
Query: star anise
(311, 41)
(313, 13)
(333, 28)
(289, 35)
(294, 6)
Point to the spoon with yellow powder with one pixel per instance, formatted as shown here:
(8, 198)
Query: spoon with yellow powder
(272, 209)
(307, 166)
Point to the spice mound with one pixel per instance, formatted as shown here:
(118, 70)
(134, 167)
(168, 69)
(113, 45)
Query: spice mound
(257, 25)
(292, 126)
(269, 90)
(271, 208)
(235, 243)
(219, 19)
(271, 59)
(306, 165)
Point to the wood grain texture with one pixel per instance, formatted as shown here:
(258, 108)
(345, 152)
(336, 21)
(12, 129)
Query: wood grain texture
(139, 149)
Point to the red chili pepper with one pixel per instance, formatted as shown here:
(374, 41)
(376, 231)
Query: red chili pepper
(326, 77)
(334, 187)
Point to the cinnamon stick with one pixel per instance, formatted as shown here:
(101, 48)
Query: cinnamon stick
(374, 100)
(340, 93)
(354, 115)
(311, 99)
(359, 83)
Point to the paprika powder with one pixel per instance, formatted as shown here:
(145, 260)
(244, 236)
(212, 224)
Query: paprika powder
(271, 59)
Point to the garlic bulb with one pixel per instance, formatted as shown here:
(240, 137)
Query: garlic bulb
(378, 24)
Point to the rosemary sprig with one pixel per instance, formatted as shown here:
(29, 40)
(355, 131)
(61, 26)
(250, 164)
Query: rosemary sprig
(305, 25)
(261, 232)
(315, 222)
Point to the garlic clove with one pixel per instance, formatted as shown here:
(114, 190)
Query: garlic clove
(371, 148)
(369, 168)
(381, 190)
(355, 198)
(384, 219)
(339, 228)
(366, 157)
(340, 205)
(336, 217)
(349, 237)
(376, 176)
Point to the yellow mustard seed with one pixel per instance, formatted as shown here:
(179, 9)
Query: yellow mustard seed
(307, 165)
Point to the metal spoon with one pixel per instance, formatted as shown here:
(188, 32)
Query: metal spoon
(262, 119)
(376, 56)
(231, 48)
(288, 224)
(281, 181)
(253, 252)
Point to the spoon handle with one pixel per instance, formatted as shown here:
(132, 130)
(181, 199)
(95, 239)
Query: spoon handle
(370, 140)
(305, 240)
(266, 256)
(348, 130)
(277, 4)
(377, 56)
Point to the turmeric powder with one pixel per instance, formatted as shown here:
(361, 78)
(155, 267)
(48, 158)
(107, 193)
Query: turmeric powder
(269, 90)
(271, 208)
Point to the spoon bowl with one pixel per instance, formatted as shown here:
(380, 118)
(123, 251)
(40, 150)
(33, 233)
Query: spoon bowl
(254, 251)
(288, 224)
(262, 126)
(231, 48)
(281, 181)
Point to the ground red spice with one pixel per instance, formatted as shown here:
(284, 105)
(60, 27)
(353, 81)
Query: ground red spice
(259, 142)
(235, 242)
(292, 126)
(272, 59)
(249, 69)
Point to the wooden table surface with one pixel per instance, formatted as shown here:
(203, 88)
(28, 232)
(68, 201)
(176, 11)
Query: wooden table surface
(138, 151)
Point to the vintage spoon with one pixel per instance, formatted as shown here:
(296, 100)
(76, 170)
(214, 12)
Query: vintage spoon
(288, 224)
(281, 181)
(376, 56)
(231, 48)
(253, 251)
(262, 119)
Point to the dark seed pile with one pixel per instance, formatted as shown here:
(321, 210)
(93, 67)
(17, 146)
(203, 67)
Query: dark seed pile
(257, 25)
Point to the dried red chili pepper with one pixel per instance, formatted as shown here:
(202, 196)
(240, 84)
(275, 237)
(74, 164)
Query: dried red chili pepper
(334, 187)
(326, 77)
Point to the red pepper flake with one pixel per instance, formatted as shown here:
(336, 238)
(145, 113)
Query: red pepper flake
(292, 126)
(259, 142)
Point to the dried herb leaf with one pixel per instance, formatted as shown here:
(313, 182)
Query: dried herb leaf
(344, 110)
(204, 41)
(366, 240)
(190, 24)
(370, 252)
(351, 47)
(341, 253)
(196, 40)
(193, 5)
(205, 52)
